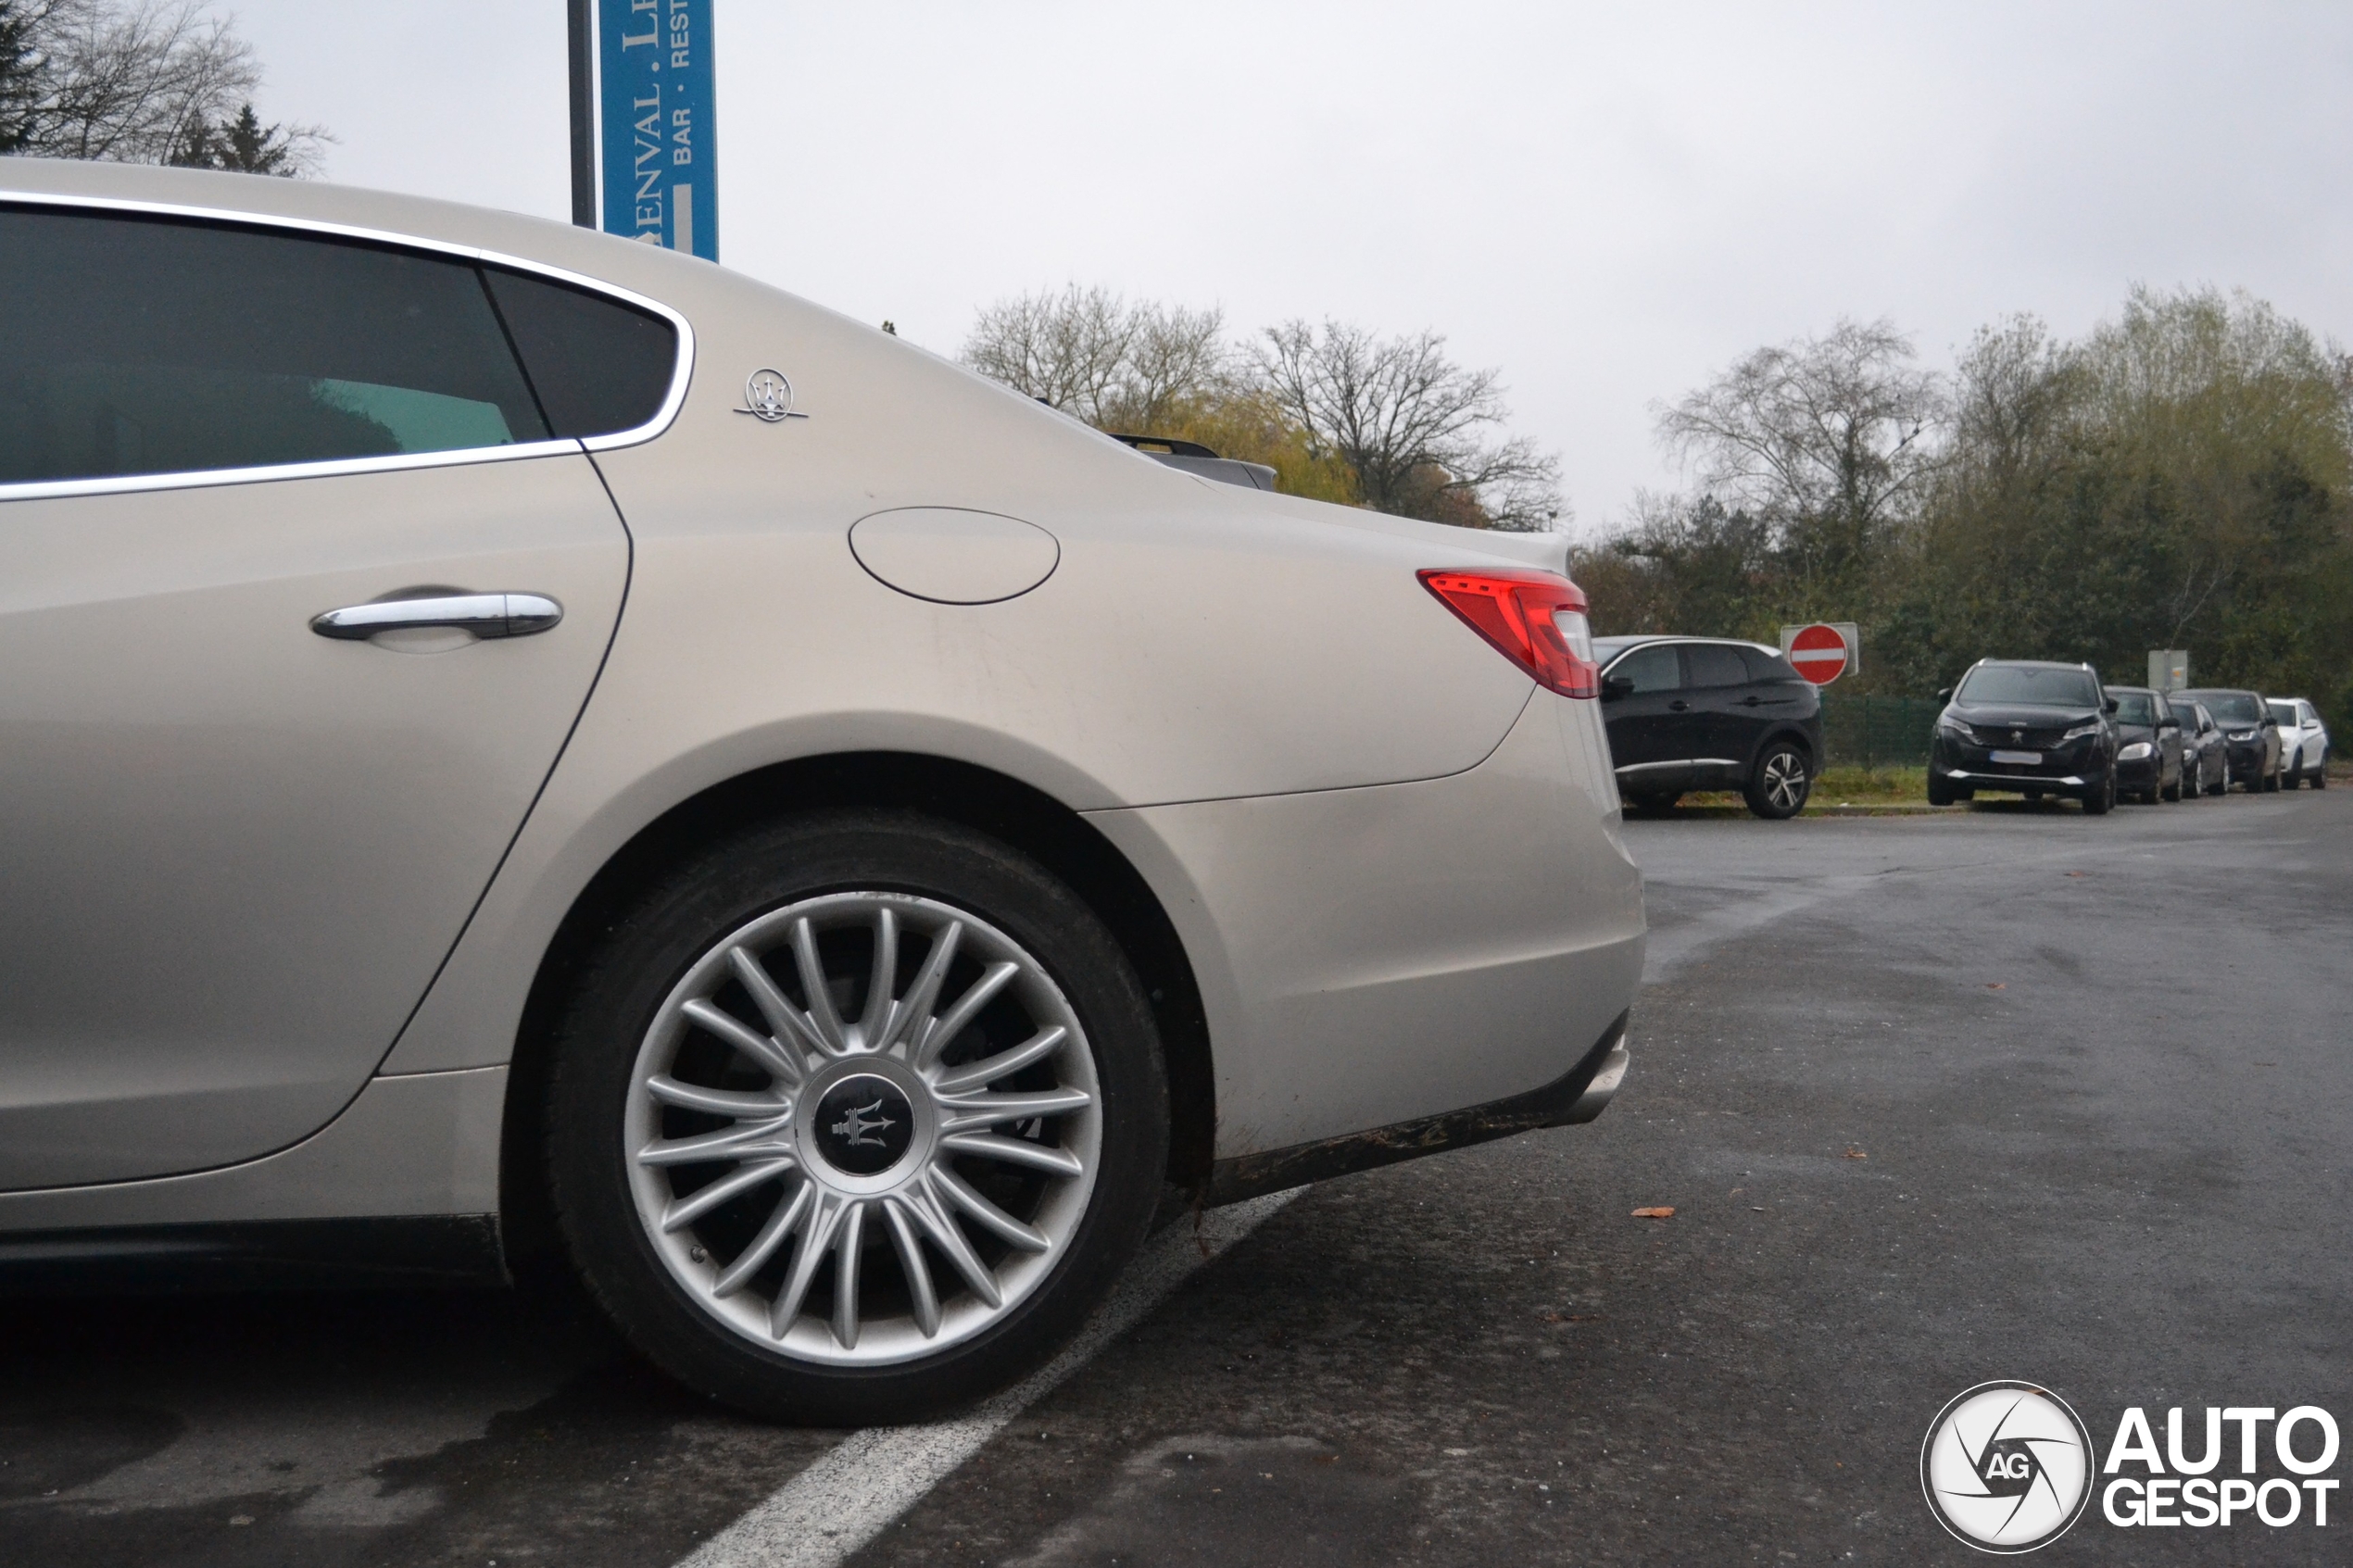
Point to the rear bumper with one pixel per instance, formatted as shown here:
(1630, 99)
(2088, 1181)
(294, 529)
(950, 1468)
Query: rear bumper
(1578, 1096)
(1373, 958)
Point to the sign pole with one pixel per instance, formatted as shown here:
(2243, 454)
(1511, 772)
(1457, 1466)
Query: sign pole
(583, 111)
(657, 118)
(645, 118)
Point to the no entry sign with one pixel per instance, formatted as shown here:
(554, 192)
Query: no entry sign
(1823, 651)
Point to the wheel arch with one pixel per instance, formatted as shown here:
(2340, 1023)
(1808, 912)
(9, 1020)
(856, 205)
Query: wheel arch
(974, 797)
(1784, 729)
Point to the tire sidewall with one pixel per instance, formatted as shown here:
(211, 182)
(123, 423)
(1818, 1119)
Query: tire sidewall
(717, 892)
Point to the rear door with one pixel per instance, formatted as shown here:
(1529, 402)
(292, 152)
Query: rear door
(1654, 727)
(1734, 716)
(237, 848)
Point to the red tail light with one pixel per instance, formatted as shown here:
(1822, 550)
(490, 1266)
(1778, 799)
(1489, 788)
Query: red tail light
(1535, 619)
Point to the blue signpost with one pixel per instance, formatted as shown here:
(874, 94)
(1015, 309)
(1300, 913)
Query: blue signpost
(656, 122)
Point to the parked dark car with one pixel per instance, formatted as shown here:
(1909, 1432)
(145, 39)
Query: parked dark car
(2252, 734)
(2148, 745)
(1689, 713)
(2025, 727)
(2205, 758)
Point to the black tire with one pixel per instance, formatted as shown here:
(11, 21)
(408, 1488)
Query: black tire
(1939, 792)
(2272, 781)
(695, 909)
(2192, 784)
(2100, 800)
(2321, 773)
(2173, 791)
(1777, 787)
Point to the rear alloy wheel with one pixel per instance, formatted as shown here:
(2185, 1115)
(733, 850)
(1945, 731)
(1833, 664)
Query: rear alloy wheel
(1777, 788)
(856, 1119)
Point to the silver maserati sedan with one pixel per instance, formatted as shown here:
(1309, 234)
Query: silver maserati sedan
(522, 751)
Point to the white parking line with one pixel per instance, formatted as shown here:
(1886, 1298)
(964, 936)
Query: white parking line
(849, 1496)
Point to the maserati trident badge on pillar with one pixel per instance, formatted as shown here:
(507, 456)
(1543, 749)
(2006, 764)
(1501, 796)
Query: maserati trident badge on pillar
(768, 398)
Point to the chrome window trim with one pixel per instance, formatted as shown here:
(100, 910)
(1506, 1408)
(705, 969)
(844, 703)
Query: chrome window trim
(681, 376)
(1638, 647)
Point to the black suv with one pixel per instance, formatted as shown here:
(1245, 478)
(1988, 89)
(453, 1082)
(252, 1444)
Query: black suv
(2025, 727)
(1686, 713)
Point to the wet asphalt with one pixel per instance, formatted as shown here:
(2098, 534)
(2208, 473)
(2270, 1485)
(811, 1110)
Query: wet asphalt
(2008, 1093)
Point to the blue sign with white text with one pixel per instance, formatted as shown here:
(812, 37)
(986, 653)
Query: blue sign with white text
(660, 163)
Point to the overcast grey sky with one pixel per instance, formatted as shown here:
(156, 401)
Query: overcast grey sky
(1607, 203)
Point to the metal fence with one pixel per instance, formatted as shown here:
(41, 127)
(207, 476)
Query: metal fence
(1877, 732)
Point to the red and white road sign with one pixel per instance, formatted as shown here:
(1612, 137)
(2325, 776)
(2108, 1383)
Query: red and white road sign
(1821, 652)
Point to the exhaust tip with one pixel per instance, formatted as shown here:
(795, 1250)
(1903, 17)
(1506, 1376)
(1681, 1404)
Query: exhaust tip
(1601, 1090)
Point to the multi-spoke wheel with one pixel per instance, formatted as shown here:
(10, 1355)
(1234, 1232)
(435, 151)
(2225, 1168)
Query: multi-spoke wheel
(857, 1120)
(1777, 790)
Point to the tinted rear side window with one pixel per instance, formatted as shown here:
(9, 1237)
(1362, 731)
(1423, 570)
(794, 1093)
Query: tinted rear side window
(599, 366)
(1766, 668)
(142, 345)
(1712, 664)
(1651, 670)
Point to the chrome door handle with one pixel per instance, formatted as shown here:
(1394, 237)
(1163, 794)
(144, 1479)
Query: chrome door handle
(485, 615)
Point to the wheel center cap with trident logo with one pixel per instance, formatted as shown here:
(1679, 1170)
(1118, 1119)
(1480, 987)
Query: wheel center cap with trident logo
(864, 1125)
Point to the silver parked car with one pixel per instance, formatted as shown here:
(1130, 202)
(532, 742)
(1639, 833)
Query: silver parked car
(519, 748)
(2304, 741)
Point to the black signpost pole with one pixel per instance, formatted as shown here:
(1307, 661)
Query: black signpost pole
(584, 136)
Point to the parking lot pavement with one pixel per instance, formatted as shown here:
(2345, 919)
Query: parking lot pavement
(2008, 1094)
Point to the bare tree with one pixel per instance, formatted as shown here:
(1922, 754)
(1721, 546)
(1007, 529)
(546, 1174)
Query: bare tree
(1415, 427)
(138, 81)
(1068, 349)
(25, 86)
(1824, 437)
(1093, 354)
(1175, 358)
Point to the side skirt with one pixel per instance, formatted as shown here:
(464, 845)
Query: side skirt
(406, 1252)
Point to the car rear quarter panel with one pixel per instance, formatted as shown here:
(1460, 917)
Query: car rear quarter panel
(1195, 642)
(1370, 956)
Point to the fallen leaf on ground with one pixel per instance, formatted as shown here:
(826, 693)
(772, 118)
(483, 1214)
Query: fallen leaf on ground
(1996, 986)
(2075, 873)
(1666, 1212)
(1853, 1153)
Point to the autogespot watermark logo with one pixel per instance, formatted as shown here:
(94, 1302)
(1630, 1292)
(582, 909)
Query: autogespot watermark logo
(2006, 1467)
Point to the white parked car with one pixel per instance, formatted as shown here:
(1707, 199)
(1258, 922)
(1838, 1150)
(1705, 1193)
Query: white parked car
(2304, 743)
(518, 747)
